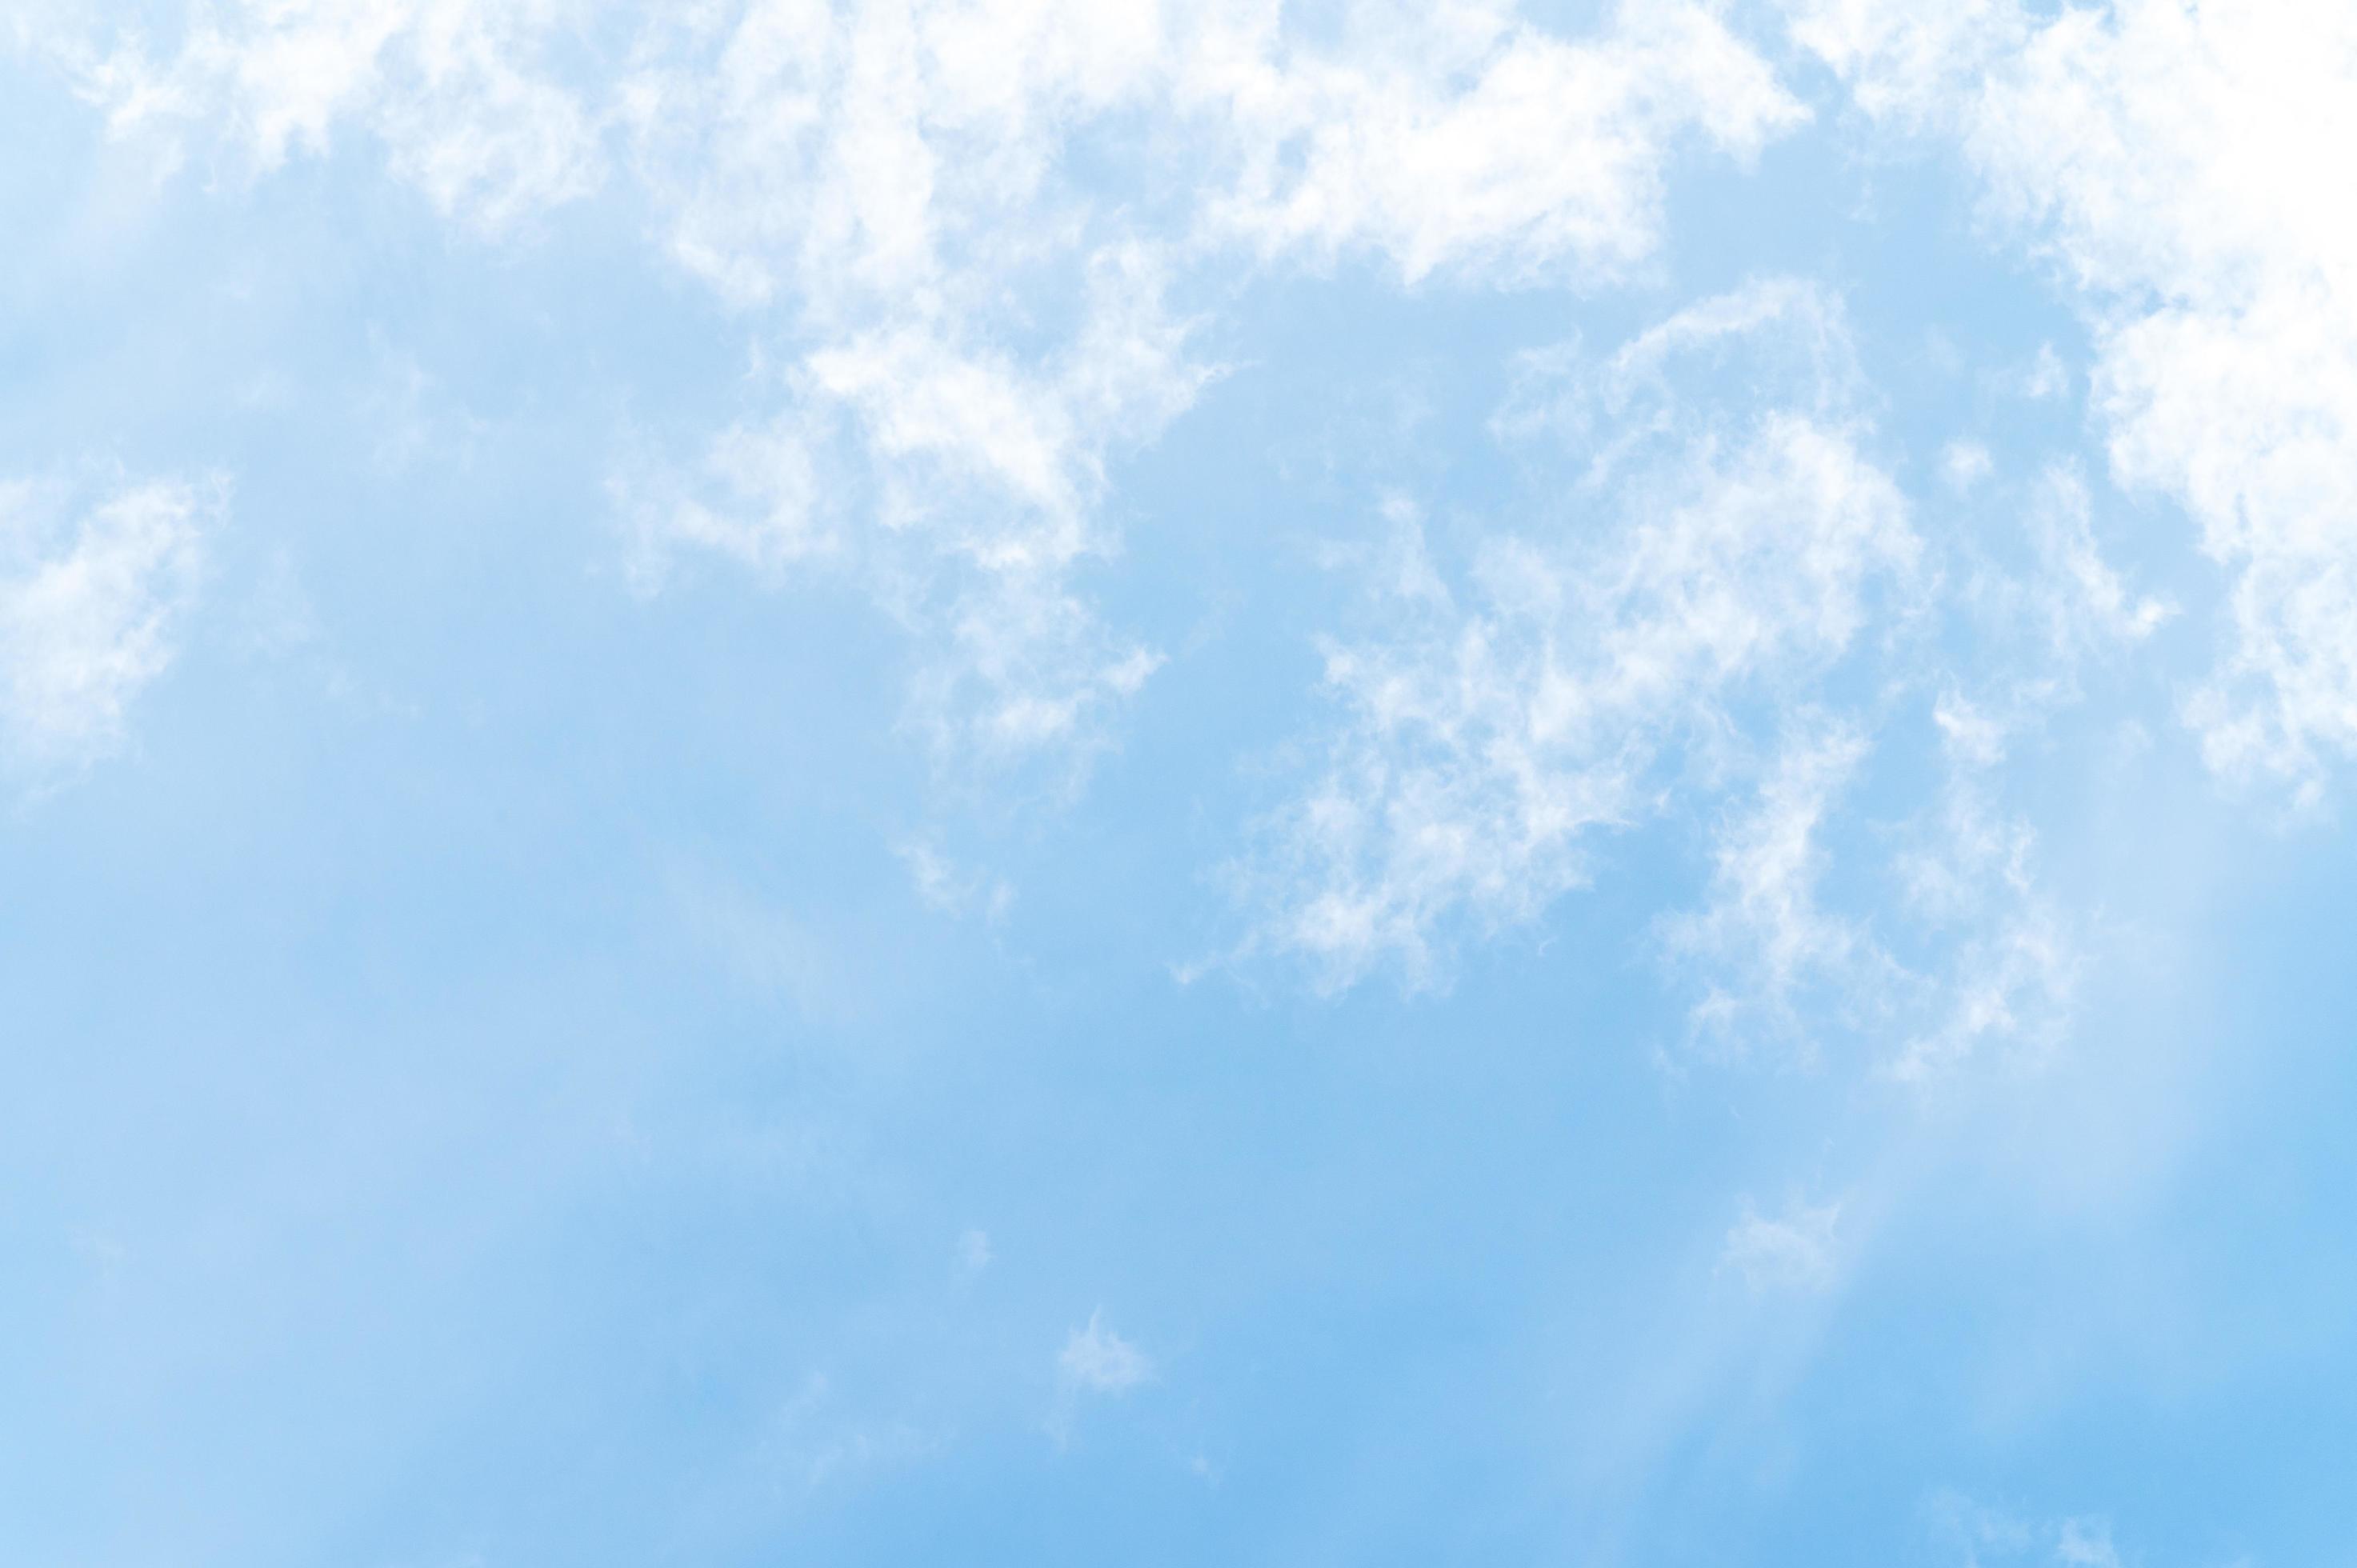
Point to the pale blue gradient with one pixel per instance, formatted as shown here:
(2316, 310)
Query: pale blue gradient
(481, 1083)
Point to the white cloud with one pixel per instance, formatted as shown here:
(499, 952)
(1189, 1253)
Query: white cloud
(1996, 958)
(2042, 606)
(91, 593)
(1906, 63)
(879, 186)
(2171, 160)
(1966, 733)
(1475, 144)
(1691, 636)
(1487, 734)
(897, 196)
(1763, 934)
(1797, 1249)
(1975, 962)
(890, 185)
(2087, 608)
(2011, 987)
(919, 144)
(960, 487)
(2047, 378)
(1963, 464)
(946, 888)
(1987, 1536)
(2085, 1543)
(812, 1443)
(457, 92)
(1098, 1361)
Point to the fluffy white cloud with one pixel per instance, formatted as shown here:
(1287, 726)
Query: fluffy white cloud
(960, 486)
(918, 142)
(2173, 160)
(1466, 141)
(90, 595)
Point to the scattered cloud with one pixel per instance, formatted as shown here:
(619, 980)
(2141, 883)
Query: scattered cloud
(1763, 935)
(93, 591)
(1685, 630)
(1988, 1537)
(1097, 1361)
(1964, 464)
(945, 889)
(971, 327)
(888, 187)
(2085, 1543)
(1491, 730)
(1798, 1249)
(1479, 144)
(812, 1444)
(2087, 608)
(459, 93)
(2048, 377)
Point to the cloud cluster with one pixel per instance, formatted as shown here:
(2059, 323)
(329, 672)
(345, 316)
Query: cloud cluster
(955, 227)
(979, 248)
(2166, 158)
(1721, 609)
(1986, 1535)
(965, 224)
(1491, 730)
(1454, 140)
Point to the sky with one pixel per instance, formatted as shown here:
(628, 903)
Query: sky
(1044, 782)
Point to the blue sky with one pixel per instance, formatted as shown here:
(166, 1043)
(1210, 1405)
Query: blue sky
(1026, 782)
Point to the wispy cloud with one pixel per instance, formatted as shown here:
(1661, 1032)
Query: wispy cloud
(460, 94)
(1098, 1361)
(969, 332)
(1492, 728)
(92, 591)
(1798, 1249)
